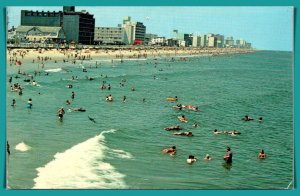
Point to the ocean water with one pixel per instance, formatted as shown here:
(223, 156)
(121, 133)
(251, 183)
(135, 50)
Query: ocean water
(122, 150)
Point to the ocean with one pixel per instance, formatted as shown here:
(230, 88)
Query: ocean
(122, 149)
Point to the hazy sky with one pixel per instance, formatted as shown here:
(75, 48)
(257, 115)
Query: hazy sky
(269, 28)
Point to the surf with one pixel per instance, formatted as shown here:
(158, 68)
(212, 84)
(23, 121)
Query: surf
(81, 166)
(22, 147)
(54, 70)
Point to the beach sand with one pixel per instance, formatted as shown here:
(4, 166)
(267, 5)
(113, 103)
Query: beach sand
(25, 55)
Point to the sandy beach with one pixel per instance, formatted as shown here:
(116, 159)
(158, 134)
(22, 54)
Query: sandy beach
(41, 55)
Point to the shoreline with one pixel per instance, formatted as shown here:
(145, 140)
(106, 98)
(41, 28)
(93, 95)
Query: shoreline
(44, 55)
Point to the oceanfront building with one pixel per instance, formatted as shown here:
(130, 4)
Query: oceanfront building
(134, 32)
(40, 34)
(196, 41)
(78, 26)
(149, 37)
(184, 39)
(109, 35)
(161, 41)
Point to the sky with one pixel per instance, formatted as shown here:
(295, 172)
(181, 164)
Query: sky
(267, 28)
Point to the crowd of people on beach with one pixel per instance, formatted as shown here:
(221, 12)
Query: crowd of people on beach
(16, 56)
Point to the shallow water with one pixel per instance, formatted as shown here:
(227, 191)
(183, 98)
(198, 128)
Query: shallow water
(122, 150)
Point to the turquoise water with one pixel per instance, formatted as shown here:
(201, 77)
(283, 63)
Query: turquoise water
(122, 150)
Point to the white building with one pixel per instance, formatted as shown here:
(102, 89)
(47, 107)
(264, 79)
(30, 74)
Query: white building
(133, 31)
(212, 41)
(158, 41)
(40, 34)
(196, 41)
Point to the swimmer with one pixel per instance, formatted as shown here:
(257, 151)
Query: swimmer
(169, 150)
(73, 95)
(70, 86)
(228, 156)
(29, 103)
(191, 159)
(260, 119)
(216, 132)
(187, 133)
(61, 113)
(77, 109)
(207, 157)
(124, 99)
(262, 154)
(68, 102)
(233, 133)
(195, 125)
(247, 118)
(176, 127)
(34, 83)
(13, 104)
(178, 106)
(91, 119)
(182, 119)
(190, 107)
(109, 98)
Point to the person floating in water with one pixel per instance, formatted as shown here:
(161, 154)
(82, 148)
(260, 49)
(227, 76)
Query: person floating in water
(216, 132)
(68, 102)
(61, 113)
(207, 157)
(169, 150)
(247, 118)
(13, 104)
(182, 119)
(195, 125)
(77, 109)
(124, 99)
(91, 119)
(262, 154)
(191, 159)
(29, 103)
(187, 133)
(228, 156)
(260, 119)
(109, 98)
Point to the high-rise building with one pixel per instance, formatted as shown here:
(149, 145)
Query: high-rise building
(203, 42)
(78, 26)
(196, 41)
(212, 41)
(220, 40)
(183, 38)
(229, 42)
(133, 31)
(41, 18)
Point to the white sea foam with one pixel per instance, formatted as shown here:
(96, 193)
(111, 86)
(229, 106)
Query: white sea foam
(81, 167)
(22, 147)
(122, 154)
(54, 70)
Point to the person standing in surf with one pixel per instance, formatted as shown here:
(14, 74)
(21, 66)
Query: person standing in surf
(29, 103)
(73, 95)
(61, 113)
(228, 156)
